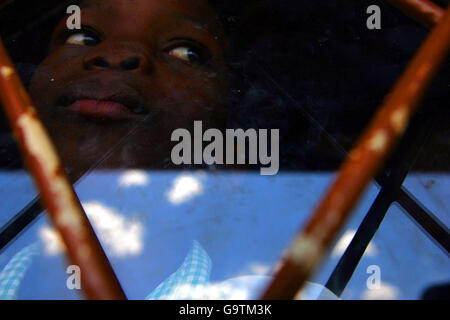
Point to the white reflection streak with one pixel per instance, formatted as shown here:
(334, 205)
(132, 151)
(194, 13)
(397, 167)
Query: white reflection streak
(260, 269)
(120, 236)
(51, 240)
(384, 292)
(243, 288)
(133, 178)
(239, 288)
(345, 240)
(222, 291)
(184, 188)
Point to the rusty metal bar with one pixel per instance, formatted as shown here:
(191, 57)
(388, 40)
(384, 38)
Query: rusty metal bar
(423, 11)
(363, 162)
(83, 248)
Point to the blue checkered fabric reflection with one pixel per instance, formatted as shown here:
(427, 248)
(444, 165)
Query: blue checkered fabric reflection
(190, 278)
(14, 271)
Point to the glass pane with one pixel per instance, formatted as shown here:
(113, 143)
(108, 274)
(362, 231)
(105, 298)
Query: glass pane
(149, 222)
(112, 96)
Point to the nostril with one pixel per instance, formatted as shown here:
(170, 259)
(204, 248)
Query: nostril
(130, 64)
(100, 63)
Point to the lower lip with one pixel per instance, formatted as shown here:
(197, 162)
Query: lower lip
(101, 109)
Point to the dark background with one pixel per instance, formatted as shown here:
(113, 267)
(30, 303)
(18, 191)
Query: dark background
(310, 68)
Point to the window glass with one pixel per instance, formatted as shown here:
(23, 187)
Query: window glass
(145, 118)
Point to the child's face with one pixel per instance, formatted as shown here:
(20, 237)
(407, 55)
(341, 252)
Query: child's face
(137, 70)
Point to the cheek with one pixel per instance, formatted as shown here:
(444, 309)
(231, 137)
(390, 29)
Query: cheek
(41, 87)
(196, 94)
(49, 77)
(55, 69)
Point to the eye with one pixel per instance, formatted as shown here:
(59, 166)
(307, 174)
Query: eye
(82, 39)
(190, 54)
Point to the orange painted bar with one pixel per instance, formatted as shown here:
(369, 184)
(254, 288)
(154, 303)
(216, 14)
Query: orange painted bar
(363, 162)
(83, 248)
(423, 11)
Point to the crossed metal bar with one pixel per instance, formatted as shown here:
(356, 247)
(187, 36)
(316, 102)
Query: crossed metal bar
(362, 164)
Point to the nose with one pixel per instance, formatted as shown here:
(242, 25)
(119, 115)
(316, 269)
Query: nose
(117, 56)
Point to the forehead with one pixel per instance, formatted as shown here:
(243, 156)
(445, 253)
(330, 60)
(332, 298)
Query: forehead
(161, 15)
(198, 10)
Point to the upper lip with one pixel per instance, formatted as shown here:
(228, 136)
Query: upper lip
(98, 89)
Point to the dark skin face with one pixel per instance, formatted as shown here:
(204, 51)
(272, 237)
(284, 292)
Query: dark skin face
(111, 93)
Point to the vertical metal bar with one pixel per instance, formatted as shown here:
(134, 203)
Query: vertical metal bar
(363, 162)
(423, 11)
(83, 248)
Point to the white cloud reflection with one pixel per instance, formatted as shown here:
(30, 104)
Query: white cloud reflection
(131, 178)
(120, 236)
(384, 292)
(239, 288)
(257, 268)
(184, 188)
(52, 241)
(243, 288)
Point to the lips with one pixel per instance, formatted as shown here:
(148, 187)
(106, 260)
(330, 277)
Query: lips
(101, 109)
(105, 96)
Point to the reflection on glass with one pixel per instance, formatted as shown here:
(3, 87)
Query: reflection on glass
(157, 227)
(111, 94)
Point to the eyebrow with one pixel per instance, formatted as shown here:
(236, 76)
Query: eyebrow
(195, 22)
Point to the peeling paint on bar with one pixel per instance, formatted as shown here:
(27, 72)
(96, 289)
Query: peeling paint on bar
(379, 141)
(305, 250)
(36, 141)
(399, 119)
(6, 71)
(68, 216)
(421, 73)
